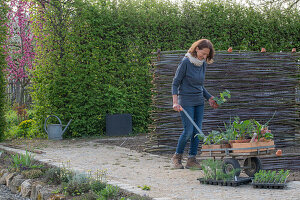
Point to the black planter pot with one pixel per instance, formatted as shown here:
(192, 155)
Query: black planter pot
(118, 124)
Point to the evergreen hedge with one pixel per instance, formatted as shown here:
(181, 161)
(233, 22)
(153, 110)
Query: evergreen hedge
(93, 57)
(88, 69)
(3, 34)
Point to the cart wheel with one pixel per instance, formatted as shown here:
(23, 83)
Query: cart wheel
(255, 166)
(231, 164)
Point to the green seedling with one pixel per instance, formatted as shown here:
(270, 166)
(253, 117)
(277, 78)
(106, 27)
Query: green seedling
(144, 187)
(264, 176)
(222, 98)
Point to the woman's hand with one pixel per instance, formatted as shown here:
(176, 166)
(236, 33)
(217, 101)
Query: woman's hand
(264, 130)
(213, 103)
(177, 107)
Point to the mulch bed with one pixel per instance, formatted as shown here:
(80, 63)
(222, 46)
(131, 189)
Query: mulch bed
(5, 163)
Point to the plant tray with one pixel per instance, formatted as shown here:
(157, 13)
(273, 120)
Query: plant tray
(269, 185)
(240, 181)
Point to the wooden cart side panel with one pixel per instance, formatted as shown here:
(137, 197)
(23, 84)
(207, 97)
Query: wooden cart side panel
(254, 144)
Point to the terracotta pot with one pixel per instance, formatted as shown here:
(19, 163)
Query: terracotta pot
(279, 152)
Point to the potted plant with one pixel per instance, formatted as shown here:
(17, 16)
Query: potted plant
(263, 132)
(242, 130)
(261, 136)
(230, 133)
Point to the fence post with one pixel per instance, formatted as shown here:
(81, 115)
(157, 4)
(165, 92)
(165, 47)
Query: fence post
(158, 54)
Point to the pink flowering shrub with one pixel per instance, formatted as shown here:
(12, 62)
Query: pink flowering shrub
(19, 48)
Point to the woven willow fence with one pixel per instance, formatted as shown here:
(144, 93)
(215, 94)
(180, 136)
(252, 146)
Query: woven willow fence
(260, 84)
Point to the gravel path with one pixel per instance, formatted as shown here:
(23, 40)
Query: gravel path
(131, 170)
(5, 194)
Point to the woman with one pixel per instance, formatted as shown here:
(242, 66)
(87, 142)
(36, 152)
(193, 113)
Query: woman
(189, 92)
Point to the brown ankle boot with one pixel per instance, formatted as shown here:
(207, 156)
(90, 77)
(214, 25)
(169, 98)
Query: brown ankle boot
(192, 163)
(176, 160)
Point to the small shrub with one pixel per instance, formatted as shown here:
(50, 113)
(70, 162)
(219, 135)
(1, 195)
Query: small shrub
(97, 186)
(109, 192)
(33, 173)
(53, 176)
(87, 196)
(26, 124)
(12, 122)
(66, 174)
(11, 133)
(78, 185)
(58, 175)
(21, 113)
(24, 129)
(11, 118)
(101, 175)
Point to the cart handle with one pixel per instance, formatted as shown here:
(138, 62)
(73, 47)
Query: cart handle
(192, 121)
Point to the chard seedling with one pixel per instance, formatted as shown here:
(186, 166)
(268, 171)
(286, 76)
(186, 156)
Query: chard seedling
(275, 177)
(222, 99)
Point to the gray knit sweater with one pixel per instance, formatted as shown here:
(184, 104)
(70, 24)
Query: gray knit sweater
(188, 84)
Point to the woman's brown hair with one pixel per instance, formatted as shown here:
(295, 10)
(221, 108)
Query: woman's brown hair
(201, 44)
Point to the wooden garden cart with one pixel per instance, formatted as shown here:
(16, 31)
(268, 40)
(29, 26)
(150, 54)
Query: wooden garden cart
(250, 161)
(250, 156)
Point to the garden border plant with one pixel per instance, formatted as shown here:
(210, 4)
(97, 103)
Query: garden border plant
(20, 126)
(67, 182)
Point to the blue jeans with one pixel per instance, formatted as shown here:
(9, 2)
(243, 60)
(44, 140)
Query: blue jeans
(189, 132)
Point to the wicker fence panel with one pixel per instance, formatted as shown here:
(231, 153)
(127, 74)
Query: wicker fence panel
(261, 84)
